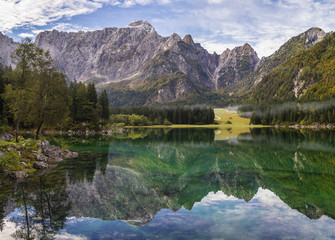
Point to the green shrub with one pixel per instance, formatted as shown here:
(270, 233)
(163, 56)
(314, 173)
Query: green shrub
(166, 122)
(10, 161)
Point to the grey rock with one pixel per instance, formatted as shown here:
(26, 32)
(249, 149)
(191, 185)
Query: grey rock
(1, 154)
(50, 150)
(234, 65)
(16, 175)
(7, 48)
(6, 136)
(40, 165)
(41, 158)
(137, 55)
(68, 154)
(108, 55)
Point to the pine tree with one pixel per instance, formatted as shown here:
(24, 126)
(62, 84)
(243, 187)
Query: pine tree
(103, 101)
(92, 94)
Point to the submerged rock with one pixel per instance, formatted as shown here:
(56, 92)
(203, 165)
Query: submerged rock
(68, 154)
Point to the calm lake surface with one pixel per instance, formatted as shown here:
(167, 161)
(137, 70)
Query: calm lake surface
(180, 184)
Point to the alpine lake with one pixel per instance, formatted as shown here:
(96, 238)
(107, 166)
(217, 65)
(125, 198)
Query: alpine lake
(180, 184)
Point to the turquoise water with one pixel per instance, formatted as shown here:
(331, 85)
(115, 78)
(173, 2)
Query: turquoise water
(180, 184)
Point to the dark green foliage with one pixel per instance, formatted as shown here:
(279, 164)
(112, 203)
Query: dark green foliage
(3, 82)
(310, 74)
(36, 93)
(198, 114)
(130, 120)
(294, 113)
(92, 94)
(86, 105)
(10, 161)
(103, 101)
(127, 97)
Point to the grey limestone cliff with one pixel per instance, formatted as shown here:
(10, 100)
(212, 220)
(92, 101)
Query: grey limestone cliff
(234, 65)
(7, 48)
(108, 55)
(170, 67)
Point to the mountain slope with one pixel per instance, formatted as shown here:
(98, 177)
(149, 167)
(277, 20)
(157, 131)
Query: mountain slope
(234, 65)
(288, 50)
(107, 55)
(184, 70)
(309, 75)
(7, 47)
(140, 66)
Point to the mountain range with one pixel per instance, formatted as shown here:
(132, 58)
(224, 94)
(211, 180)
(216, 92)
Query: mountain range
(138, 66)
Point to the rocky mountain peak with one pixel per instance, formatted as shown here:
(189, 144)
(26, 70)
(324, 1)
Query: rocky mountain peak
(247, 47)
(313, 36)
(141, 24)
(188, 39)
(107, 55)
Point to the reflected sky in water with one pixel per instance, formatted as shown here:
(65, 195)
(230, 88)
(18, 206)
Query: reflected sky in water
(181, 184)
(217, 216)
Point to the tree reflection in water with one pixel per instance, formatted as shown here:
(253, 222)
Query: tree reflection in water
(42, 211)
(134, 177)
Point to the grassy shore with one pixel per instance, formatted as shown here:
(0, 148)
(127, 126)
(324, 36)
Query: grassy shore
(228, 124)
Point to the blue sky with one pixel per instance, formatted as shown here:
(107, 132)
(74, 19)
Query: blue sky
(215, 24)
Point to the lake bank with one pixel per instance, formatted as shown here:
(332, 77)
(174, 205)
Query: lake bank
(181, 182)
(20, 159)
(228, 124)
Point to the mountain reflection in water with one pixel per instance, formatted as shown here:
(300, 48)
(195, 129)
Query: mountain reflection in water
(180, 184)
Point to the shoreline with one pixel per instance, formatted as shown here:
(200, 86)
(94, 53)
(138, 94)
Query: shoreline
(314, 126)
(19, 160)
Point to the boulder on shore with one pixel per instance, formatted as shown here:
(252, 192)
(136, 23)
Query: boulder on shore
(40, 165)
(16, 175)
(6, 136)
(45, 157)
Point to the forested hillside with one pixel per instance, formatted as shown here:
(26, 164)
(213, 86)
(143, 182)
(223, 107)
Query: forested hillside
(309, 76)
(291, 48)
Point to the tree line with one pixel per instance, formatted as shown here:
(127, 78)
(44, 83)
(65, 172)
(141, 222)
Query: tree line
(36, 94)
(159, 115)
(293, 113)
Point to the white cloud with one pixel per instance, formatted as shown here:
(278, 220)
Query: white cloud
(215, 1)
(20, 13)
(14, 14)
(64, 235)
(25, 35)
(164, 1)
(62, 27)
(216, 24)
(130, 3)
(68, 27)
(214, 46)
(264, 24)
